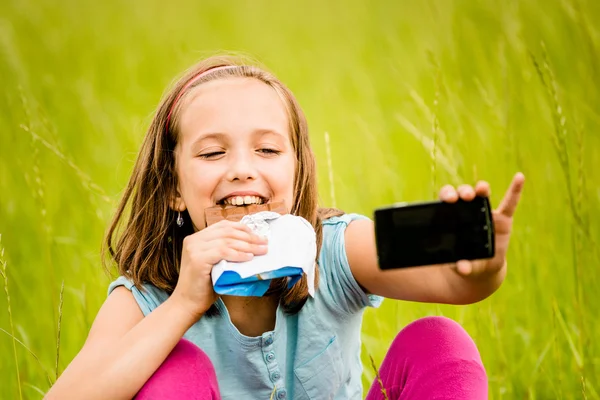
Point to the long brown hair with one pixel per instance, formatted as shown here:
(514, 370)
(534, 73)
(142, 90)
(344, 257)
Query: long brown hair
(148, 247)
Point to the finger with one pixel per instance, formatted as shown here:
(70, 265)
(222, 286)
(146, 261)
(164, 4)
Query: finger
(482, 188)
(513, 195)
(235, 230)
(245, 235)
(239, 245)
(448, 194)
(216, 255)
(213, 252)
(466, 192)
(464, 267)
(229, 250)
(226, 224)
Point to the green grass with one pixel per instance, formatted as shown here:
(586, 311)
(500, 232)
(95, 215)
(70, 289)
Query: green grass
(413, 95)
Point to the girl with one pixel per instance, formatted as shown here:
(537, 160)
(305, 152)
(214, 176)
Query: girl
(229, 132)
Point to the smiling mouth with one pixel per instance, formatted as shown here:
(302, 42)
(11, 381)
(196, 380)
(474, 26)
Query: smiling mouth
(242, 200)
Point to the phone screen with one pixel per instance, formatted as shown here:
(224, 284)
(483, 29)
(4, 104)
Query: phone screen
(433, 233)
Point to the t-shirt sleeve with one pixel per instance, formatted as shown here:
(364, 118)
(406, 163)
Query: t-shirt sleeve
(339, 283)
(148, 298)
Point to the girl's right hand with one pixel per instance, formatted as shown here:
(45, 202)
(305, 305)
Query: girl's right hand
(225, 240)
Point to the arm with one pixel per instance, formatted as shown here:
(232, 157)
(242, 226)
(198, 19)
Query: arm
(428, 284)
(463, 283)
(123, 349)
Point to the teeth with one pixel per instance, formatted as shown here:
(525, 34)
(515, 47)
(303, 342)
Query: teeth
(242, 200)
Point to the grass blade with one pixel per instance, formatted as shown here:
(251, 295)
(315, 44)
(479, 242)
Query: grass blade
(565, 329)
(540, 360)
(35, 388)
(60, 305)
(12, 329)
(30, 352)
(428, 144)
(330, 168)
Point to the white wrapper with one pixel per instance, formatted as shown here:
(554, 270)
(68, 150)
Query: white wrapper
(292, 243)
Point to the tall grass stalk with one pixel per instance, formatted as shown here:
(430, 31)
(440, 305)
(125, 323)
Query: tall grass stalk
(590, 37)
(4, 274)
(581, 229)
(579, 261)
(379, 381)
(435, 125)
(559, 137)
(330, 170)
(60, 309)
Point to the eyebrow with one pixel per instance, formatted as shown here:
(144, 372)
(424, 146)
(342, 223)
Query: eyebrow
(259, 132)
(206, 136)
(223, 136)
(212, 135)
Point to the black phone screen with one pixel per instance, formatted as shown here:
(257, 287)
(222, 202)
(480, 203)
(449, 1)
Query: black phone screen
(433, 233)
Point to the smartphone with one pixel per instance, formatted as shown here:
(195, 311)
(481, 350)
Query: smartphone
(435, 232)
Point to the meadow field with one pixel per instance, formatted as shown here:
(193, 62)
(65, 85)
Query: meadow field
(412, 95)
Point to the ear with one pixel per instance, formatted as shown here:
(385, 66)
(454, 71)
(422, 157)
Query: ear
(177, 203)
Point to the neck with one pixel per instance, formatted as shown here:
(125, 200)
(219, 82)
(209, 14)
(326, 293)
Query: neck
(252, 316)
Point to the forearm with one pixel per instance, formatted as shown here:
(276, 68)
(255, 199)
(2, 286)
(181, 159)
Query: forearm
(468, 290)
(118, 370)
(433, 284)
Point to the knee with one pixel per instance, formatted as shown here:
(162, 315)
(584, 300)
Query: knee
(434, 357)
(186, 355)
(187, 370)
(439, 337)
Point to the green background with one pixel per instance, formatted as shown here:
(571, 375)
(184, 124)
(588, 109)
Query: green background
(414, 95)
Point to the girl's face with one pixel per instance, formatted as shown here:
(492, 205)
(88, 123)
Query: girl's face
(234, 147)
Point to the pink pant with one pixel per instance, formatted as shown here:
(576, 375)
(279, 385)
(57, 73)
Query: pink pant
(432, 358)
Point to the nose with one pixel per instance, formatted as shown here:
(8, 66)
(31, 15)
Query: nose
(241, 168)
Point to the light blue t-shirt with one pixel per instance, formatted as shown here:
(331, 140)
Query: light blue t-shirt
(314, 354)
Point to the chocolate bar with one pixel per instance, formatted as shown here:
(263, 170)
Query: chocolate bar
(236, 213)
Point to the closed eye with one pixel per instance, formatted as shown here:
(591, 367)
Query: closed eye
(212, 154)
(268, 151)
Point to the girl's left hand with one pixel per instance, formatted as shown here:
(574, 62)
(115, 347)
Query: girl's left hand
(502, 216)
